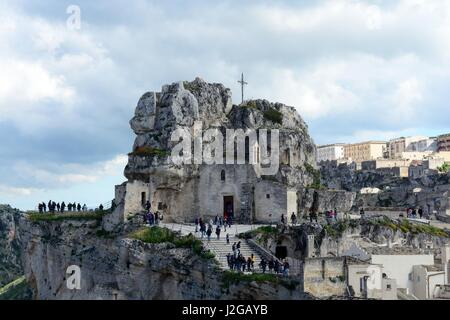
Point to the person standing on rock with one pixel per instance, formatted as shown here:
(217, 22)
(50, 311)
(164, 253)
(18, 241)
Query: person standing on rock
(40, 208)
(249, 264)
(420, 212)
(148, 206)
(286, 268)
(263, 265)
(79, 207)
(282, 218)
(218, 232)
(63, 206)
(196, 225)
(228, 238)
(362, 213)
(44, 207)
(293, 218)
(271, 265)
(209, 232)
(276, 266)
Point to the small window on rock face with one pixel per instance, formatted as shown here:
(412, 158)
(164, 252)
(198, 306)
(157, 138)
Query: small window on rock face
(222, 175)
(388, 287)
(160, 206)
(267, 196)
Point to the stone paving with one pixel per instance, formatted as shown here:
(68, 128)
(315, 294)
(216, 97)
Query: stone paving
(219, 246)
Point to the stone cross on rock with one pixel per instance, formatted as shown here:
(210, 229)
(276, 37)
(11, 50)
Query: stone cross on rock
(243, 83)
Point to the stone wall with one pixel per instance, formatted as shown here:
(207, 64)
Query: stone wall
(343, 201)
(324, 277)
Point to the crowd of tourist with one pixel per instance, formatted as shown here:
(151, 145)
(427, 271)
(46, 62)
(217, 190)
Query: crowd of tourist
(206, 228)
(53, 207)
(236, 261)
(414, 213)
(151, 218)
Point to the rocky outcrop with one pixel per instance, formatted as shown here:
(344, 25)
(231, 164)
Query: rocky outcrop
(10, 243)
(117, 267)
(179, 105)
(340, 200)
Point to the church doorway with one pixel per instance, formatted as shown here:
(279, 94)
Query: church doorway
(228, 206)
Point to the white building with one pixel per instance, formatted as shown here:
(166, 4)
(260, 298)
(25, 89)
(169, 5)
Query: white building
(407, 144)
(424, 145)
(415, 273)
(330, 152)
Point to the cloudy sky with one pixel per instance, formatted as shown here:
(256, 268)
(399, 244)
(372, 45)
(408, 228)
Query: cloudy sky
(355, 70)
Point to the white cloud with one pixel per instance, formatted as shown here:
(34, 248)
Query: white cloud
(61, 176)
(12, 191)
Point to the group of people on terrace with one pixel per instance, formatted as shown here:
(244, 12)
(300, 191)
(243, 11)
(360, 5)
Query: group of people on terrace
(53, 207)
(206, 228)
(151, 218)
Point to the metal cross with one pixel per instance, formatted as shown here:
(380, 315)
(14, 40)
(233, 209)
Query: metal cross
(243, 83)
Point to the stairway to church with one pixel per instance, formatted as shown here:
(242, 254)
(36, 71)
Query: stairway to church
(220, 248)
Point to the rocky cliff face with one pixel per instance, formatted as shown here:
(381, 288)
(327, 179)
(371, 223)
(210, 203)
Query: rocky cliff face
(10, 242)
(117, 267)
(179, 105)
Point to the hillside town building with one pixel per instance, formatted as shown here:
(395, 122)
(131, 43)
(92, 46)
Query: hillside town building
(364, 151)
(443, 142)
(330, 152)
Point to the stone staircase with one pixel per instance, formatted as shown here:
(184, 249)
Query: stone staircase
(220, 248)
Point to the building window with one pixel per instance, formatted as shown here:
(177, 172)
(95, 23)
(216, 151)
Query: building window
(143, 198)
(160, 206)
(268, 196)
(388, 287)
(222, 175)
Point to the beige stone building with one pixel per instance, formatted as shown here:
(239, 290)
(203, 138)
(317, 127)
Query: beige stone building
(363, 151)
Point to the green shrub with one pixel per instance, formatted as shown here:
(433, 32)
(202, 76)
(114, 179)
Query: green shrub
(157, 234)
(16, 290)
(147, 151)
(265, 231)
(444, 168)
(249, 104)
(274, 116)
(337, 229)
(154, 235)
(316, 184)
(406, 226)
(90, 215)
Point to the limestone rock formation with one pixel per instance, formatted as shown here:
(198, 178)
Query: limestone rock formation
(199, 116)
(118, 267)
(10, 242)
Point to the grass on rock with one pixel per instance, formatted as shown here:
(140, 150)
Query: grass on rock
(157, 234)
(89, 215)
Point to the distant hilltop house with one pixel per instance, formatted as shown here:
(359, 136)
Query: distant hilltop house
(241, 189)
(413, 157)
